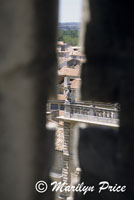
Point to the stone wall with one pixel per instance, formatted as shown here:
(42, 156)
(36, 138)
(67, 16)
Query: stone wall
(108, 76)
(28, 67)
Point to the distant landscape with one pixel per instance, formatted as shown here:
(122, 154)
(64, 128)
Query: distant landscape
(69, 26)
(69, 32)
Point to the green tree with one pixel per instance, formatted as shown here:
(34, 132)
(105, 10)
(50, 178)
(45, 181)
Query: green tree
(69, 36)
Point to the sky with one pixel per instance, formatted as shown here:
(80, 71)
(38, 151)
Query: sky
(70, 10)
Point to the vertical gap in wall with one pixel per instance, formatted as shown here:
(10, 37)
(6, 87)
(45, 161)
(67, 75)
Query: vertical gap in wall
(69, 50)
(70, 59)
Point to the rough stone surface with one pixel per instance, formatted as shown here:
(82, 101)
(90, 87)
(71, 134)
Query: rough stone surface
(97, 156)
(59, 139)
(108, 76)
(108, 49)
(27, 67)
